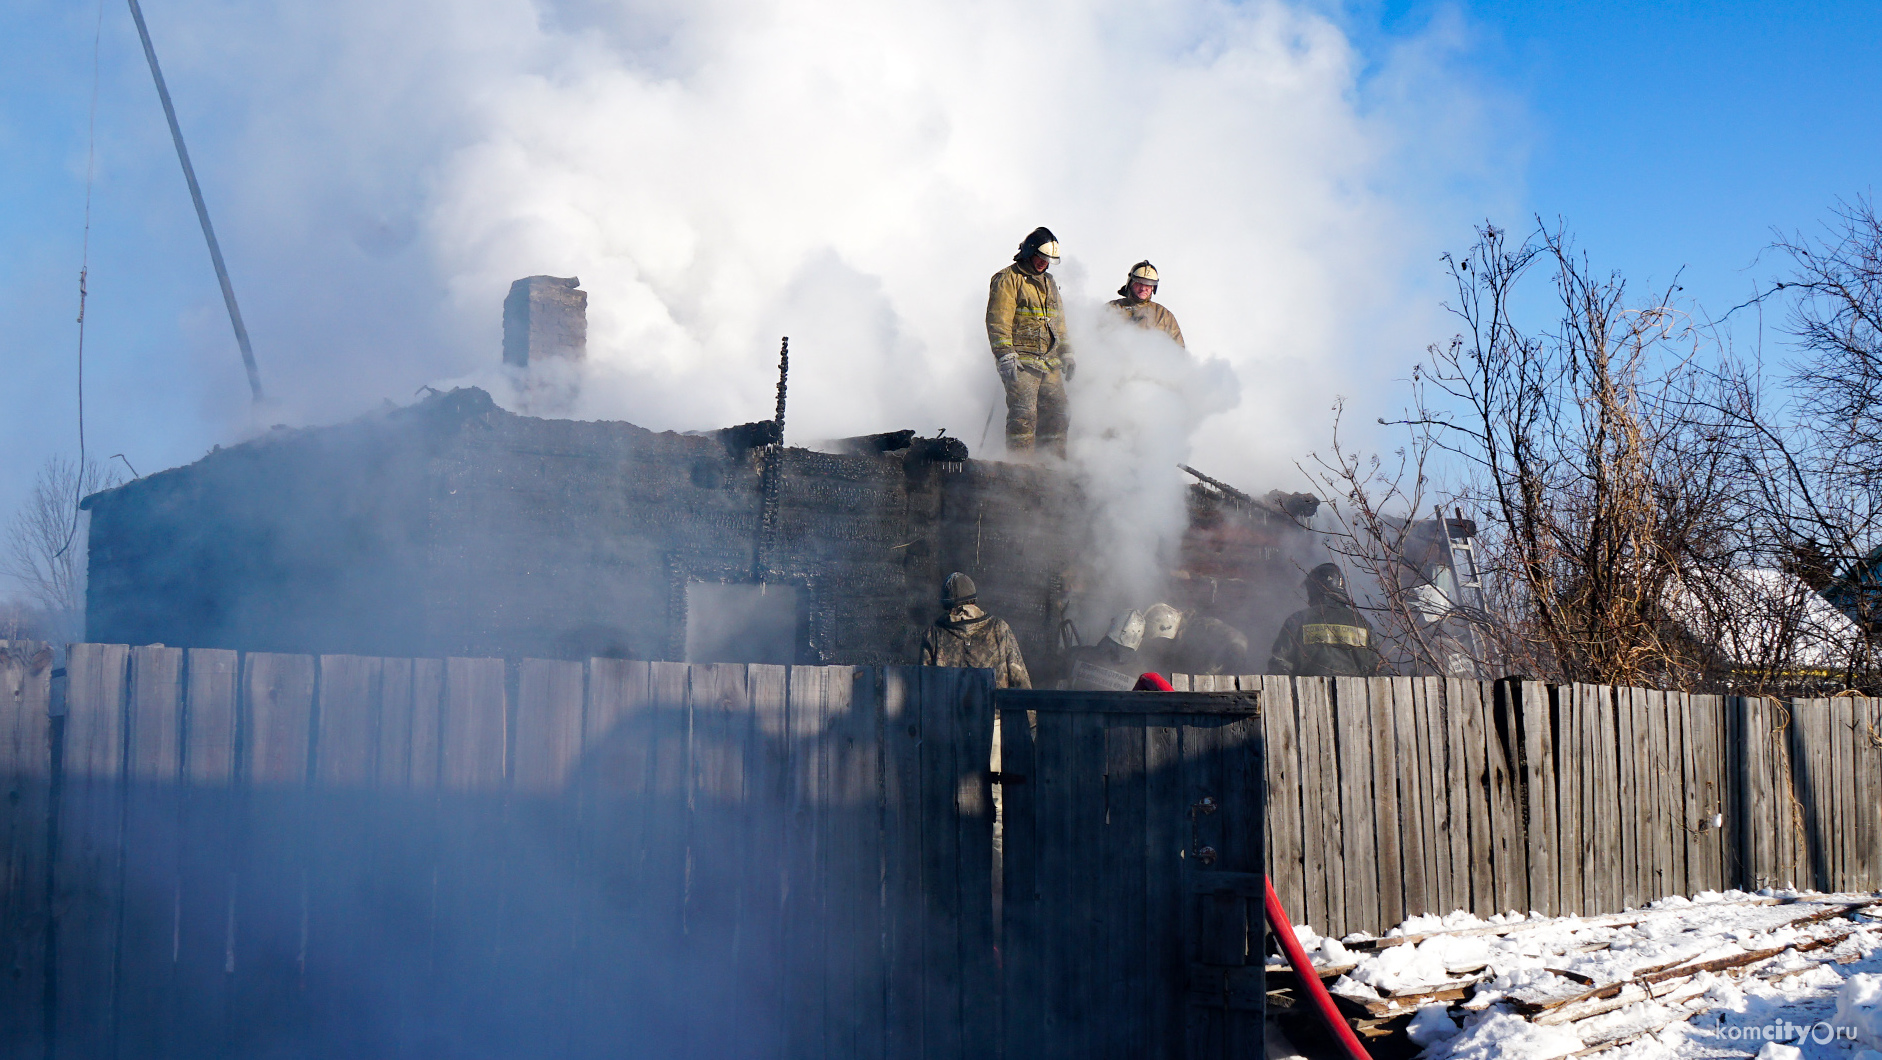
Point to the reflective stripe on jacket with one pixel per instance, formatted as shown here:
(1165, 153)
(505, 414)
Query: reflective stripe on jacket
(1024, 315)
(1325, 640)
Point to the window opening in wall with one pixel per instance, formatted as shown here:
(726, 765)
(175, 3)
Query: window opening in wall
(742, 623)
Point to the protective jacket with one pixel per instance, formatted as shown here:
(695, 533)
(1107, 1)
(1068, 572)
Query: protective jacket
(968, 637)
(1327, 638)
(1024, 315)
(1205, 646)
(1149, 314)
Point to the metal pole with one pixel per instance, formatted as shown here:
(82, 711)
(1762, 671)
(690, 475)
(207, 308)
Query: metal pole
(202, 211)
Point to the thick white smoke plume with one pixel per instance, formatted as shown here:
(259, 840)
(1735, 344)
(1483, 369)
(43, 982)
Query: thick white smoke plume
(850, 174)
(722, 173)
(1136, 410)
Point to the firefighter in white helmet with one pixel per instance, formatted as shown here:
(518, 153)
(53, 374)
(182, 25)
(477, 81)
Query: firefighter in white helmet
(1026, 328)
(1139, 288)
(1178, 643)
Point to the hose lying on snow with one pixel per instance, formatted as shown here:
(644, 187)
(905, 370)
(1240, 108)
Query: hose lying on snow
(1309, 981)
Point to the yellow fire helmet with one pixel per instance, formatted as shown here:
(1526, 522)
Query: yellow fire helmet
(1142, 272)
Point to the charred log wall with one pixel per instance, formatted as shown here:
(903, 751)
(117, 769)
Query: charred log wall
(456, 528)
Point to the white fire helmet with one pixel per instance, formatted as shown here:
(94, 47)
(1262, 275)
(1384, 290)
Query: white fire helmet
(1127, 630)
(1050, 248)
(1162, 622)
(1144, 272)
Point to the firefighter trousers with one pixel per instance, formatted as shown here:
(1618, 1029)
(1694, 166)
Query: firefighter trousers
(1036, 412)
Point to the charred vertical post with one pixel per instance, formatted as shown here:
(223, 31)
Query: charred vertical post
(774, 458)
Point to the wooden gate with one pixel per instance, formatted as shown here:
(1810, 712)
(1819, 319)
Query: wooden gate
(1133, 857)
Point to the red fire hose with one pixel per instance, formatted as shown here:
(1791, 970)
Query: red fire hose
(1290, 943)
(1309, 981)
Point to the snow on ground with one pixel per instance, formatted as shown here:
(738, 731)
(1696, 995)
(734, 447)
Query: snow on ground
(1778, 975)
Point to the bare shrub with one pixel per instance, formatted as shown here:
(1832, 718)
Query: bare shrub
(43, 552)
(1592, 454)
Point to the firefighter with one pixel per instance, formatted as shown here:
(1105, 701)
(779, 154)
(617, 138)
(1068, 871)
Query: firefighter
(1138, 288)
(967, 636)
(1192, 644)
(1112, 664)
(1026, 328)
(1328, 637)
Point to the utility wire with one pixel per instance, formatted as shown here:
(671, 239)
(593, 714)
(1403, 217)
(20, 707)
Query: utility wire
(84, 272)
(202, 211)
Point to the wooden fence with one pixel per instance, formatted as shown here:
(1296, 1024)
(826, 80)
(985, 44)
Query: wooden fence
(1392, 797)
(211, 854)
(185, 829)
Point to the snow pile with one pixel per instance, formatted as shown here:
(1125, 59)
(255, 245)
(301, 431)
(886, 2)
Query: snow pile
(1503, 1035)
(1776, 974)
(1859, 1008)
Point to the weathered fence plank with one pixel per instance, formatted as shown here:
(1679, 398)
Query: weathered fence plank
(903, 738)
(1165, 816)
(1866, 764)
(1464, 700)
(1663, 771)
(1381, 705)
(473, 736)
(1358, 834)
(206, 922)
(1125, 871)
(548, 724)
(25, 779)
(1538, 782)
(1324, 875)
(1570, 854)
(271, 858)
(87, 882)
(1408, 773)
(152, 888)
(1455, 782)
(1512, 876)
(1442, 853)
(1281, 731)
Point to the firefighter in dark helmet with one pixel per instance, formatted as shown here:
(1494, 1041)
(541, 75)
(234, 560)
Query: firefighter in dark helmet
(1026, 328)
(1328, 637)
(966, 636)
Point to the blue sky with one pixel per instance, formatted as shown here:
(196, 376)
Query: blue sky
(1667, 136)
(1676, 136)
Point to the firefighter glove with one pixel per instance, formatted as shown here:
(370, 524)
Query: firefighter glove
(1008, 364)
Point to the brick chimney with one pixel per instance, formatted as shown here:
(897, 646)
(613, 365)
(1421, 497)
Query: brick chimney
(545, 318)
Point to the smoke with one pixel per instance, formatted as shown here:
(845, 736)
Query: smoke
(1137, 407)
(850, 174)
(720, 174)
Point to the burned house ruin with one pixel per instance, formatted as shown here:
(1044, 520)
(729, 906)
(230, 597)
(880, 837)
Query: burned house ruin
(453, 527)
